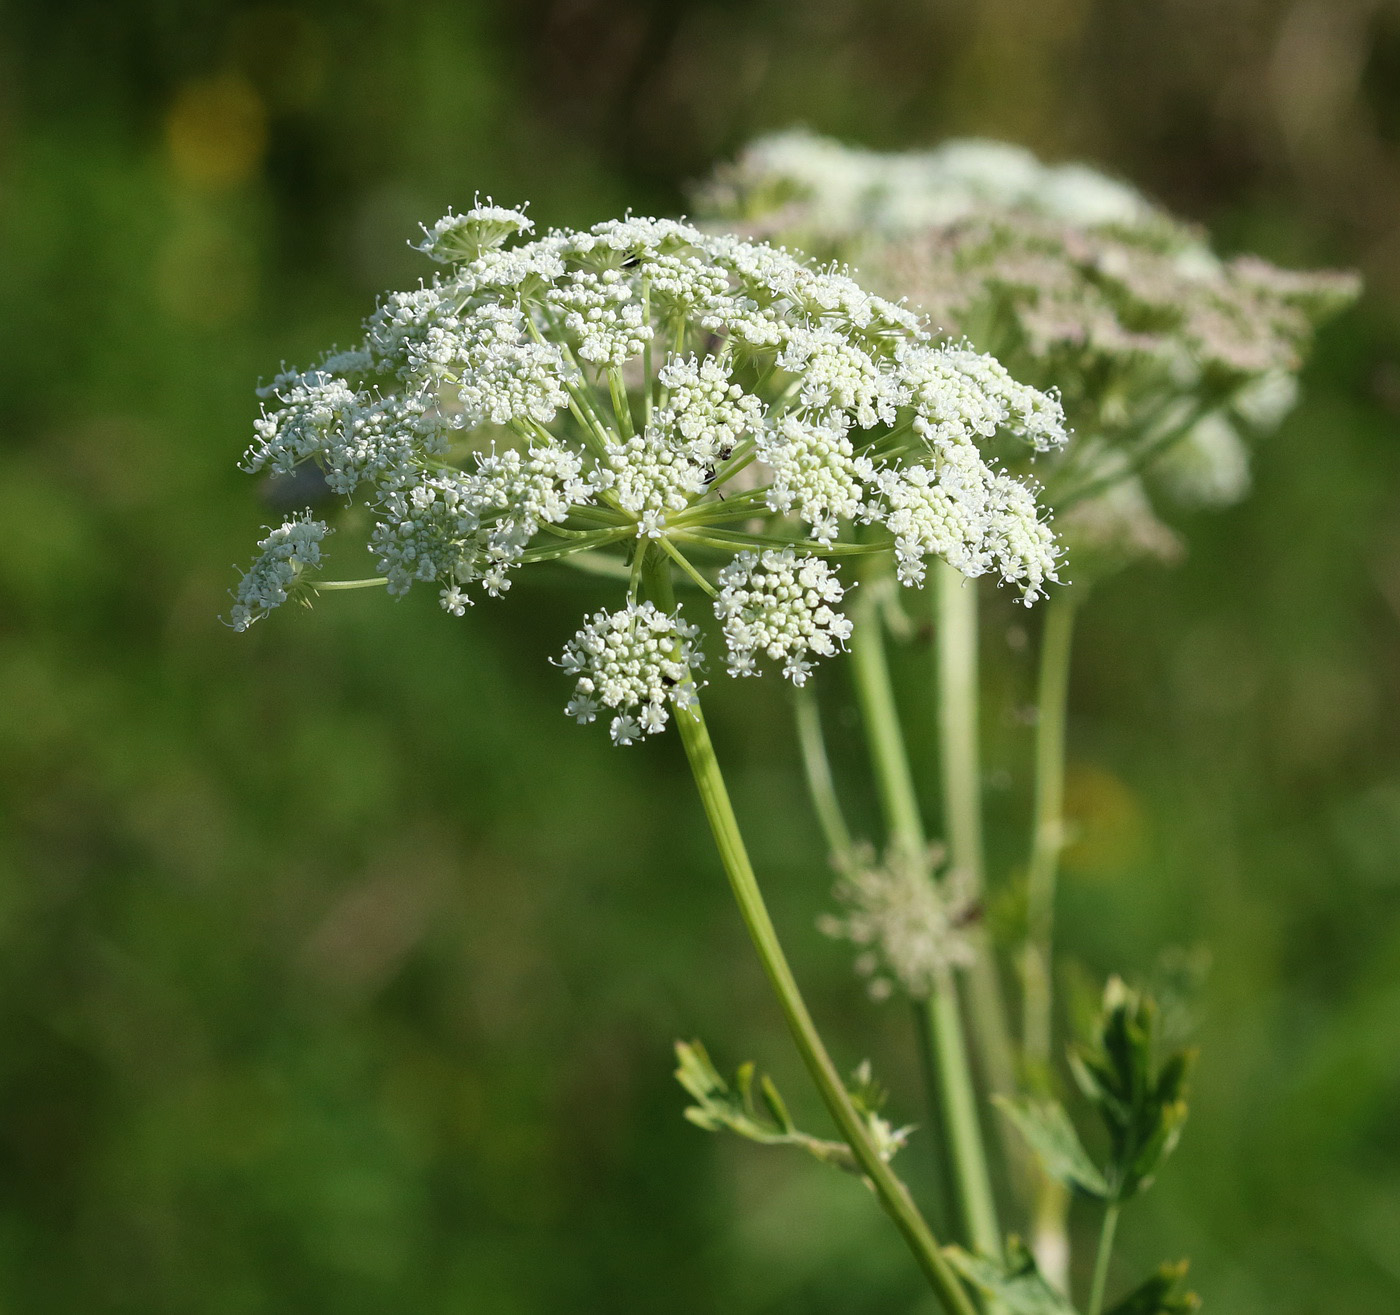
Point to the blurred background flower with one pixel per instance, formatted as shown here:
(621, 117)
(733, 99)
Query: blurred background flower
(313, 998)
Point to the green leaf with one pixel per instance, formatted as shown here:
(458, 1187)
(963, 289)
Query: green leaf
(1142, 1106)
(1015, 1283)
(1155, 1297)
(1049, 1133)
(732, 1106)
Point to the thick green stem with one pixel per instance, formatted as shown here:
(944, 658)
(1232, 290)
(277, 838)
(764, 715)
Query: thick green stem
(1110, 1225)
(724, 826)
(956, 604)
(1049, 824)
(1050, 1230)
(941, 1013)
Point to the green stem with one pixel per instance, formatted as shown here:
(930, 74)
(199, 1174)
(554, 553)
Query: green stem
(893, 778)
(1050, 1230)
(958, 696)
(941, 1013)
(719, 811)
(817, 767)
(1049, 825)
(1110, 1225)
(320, 585)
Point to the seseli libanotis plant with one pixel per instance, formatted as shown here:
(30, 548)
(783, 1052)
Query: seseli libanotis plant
(684, 412)
(1168, 359)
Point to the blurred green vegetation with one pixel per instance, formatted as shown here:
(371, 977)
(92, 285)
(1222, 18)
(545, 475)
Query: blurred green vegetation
(339, 972)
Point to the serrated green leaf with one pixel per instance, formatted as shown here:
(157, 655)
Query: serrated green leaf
(720, 1105)
(1050, 1134)
(1141, 1105)
(1015, 1284)
(1156, 1296)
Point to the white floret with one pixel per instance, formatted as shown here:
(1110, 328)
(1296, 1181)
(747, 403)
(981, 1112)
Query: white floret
(650, 475)
(781, 606)
(466, 236)
(706, 410)
(635, 661)
(816, 473)
(286, 552)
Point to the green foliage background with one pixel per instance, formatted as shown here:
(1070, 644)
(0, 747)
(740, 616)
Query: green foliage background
(339, 972)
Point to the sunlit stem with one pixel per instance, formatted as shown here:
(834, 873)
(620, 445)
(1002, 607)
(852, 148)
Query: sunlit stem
(719, 811)
(729, 540)
(744, 454)
(598, 539)
(940, 1014)
(955, 635)
(622, 407)
(1050, 1230)
(595, 433)
(683, 562)
(321, 585)
(742, 506)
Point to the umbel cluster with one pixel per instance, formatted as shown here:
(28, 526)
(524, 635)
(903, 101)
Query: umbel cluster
(645, 387)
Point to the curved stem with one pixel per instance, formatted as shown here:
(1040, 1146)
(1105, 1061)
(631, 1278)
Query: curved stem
(1050, 1227)
(958, 696)
(941, 1014)
(1110, 1225)
(892, 1193)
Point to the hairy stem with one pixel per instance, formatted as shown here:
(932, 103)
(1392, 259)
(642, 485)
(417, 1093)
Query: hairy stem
(940, 1014)
(719, 811)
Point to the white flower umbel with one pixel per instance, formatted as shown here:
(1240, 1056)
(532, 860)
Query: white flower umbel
(286, 552)
(781, 606)
(1168, 354)
(646, 396)
(635, 661)
(911, 927)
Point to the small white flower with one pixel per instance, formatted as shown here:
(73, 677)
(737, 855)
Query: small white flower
(816, 472)
(466, 236)
(636, 660)
(286, 552)
(781, 606)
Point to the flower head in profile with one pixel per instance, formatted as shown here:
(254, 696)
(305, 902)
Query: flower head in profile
(1168, 356)
(668, 407)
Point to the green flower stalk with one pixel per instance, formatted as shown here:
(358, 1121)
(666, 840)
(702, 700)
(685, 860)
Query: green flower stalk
(673, 409)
